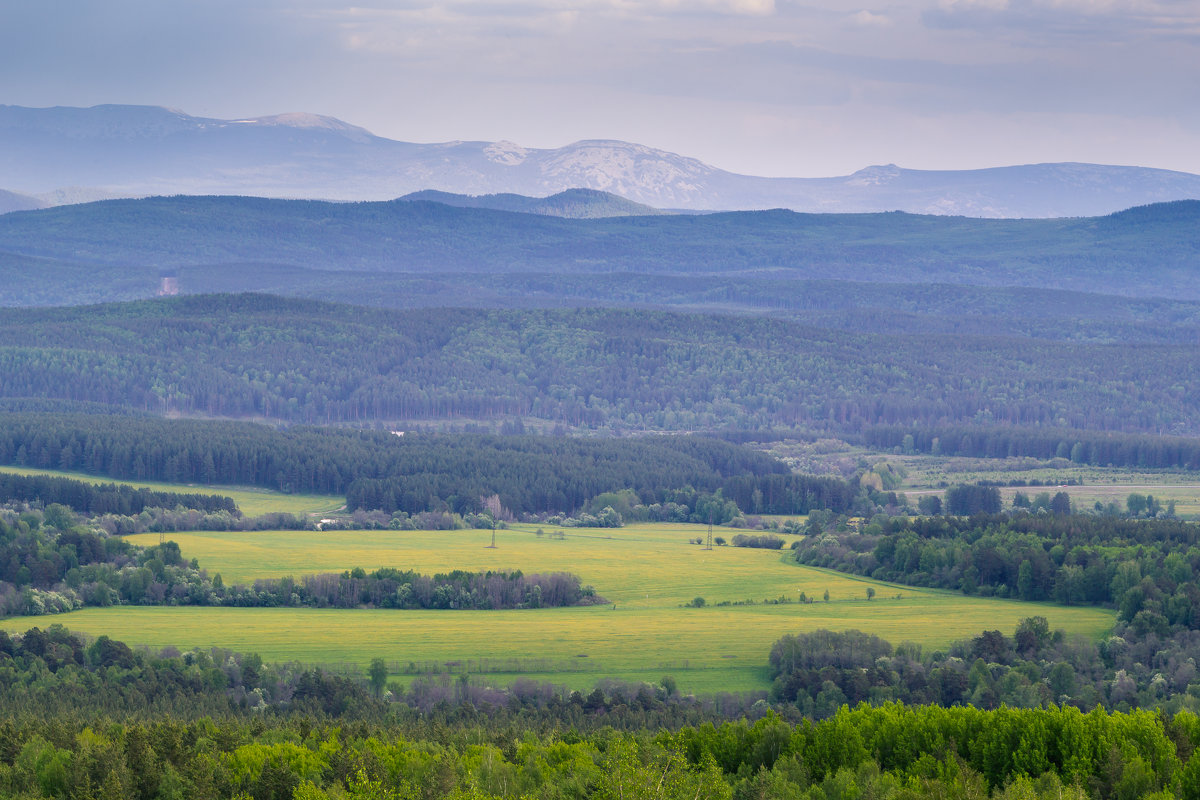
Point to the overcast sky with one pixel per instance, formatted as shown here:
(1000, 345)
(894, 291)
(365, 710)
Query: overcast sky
(766, 87)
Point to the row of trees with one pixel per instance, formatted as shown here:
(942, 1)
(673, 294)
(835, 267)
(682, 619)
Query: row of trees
(1098, 447)
(103, 498)
(46, 570)
(416, 472)
(820, 671)
(392, 588)
(1146, 569)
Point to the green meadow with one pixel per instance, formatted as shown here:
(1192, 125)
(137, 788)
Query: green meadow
(648, 573)
(643, 566)
(251, 500)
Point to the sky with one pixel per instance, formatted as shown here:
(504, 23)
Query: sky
(763, 87)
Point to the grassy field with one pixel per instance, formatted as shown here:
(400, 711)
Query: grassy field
(648, 571)
(1084, 498)
(252, 501)
(926, 474)
(1098, 484)
(643, 566)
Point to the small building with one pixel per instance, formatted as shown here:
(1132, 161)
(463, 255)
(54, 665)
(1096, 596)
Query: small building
(168, 283)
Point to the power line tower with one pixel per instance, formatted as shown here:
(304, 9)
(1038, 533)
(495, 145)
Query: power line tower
(492, 546)
(708, 546)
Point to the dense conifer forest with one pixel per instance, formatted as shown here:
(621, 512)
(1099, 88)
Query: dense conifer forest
(1101, 448)
(1128, 251)
(105, 498)
(615, 371)
(415, 472)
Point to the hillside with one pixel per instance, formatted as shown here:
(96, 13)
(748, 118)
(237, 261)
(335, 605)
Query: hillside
(11, 201)
(572, 204)
(115, 150)
(305, 361)
(1150, 251)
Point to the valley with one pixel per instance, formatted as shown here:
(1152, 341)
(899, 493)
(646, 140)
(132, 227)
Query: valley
(650, 573)
(723, 400)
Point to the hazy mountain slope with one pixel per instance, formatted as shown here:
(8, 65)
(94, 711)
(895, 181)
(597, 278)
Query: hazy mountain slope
(887, 308)
(33, 281)
(139, 150)
(1027, 191)
(11, 201)
(572, 204)
(1152, 251)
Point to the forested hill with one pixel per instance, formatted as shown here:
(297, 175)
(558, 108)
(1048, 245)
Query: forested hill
(413, 473)
(573, 203)
(304, 361)
(1150, 251)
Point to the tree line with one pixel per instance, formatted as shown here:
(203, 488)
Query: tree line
(48, 570)
(403, 589)
(1145, 568)
(104, 498)
(820, 671)
(418, 471)
(288, 733)
(1100, 448)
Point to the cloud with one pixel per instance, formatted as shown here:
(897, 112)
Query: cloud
(750, 7)
(1097, 20)
(544, 72)
(869, 19)
(757, 7)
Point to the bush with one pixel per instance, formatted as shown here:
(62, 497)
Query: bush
(766, 541)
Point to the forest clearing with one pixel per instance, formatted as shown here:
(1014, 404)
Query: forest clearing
(651, 574)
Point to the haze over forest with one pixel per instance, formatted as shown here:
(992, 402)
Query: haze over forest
(63, 155)
(730, 399)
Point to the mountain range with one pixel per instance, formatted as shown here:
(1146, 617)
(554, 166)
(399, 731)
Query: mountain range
(52, 156)
(413, 252)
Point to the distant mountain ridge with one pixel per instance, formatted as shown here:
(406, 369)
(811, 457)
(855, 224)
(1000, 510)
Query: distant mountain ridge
(11, 201)
(571, 204)
(131, 151)
(1147, 251)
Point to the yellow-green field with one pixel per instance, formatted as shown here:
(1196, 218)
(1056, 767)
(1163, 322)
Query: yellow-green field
(252, 501)
(643, 566)
(647, 571)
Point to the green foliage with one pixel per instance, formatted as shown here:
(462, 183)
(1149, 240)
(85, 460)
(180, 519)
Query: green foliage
(1145, 568)
(43, 570)
(620, 370)
(1107, 447)
(424, 472)
(966, 500)
(105, 498)
(1125, 251)
(284, 732)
